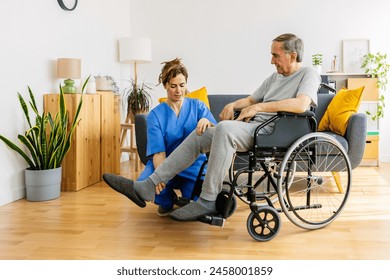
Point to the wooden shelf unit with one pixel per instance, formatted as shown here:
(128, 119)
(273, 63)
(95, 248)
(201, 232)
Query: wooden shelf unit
(110, 132)
(95, 143)
(369, 102)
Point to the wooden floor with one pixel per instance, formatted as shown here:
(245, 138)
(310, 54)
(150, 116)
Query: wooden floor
(98, 223)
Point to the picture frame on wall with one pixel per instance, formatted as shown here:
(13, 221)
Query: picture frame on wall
(353, 52)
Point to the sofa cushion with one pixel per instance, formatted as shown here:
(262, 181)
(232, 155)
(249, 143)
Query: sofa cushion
(339, 138)
(200, 94)
(345, 103)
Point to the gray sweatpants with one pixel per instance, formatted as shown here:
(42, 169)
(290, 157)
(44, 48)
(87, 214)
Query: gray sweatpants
(221, 141)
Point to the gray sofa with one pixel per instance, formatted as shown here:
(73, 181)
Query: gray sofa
(353, 141)
(218, 101)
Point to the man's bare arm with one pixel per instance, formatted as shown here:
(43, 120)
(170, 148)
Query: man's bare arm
(298, 104)
(228, 111)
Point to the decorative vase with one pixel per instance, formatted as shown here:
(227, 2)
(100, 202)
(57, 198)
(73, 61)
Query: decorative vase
(43, 185)
(91, 87)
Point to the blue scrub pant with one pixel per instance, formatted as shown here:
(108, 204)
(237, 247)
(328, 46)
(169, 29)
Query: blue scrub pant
(167, 197)
(221, 141)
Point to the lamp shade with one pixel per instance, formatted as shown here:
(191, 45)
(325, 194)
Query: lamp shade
(69, 68)
(135, 49)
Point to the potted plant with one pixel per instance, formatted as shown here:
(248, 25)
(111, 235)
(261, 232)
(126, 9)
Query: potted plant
(137, 98)
(317, 61)
(47, 141)
(106, 83)
(376, 65)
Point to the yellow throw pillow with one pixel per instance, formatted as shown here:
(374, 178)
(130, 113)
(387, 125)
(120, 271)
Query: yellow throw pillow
(200, 94)
(341, 108)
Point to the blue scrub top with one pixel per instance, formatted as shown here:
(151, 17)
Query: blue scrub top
(166, 131)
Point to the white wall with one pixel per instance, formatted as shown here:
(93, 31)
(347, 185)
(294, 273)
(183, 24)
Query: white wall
(226, 44)
(33, 35)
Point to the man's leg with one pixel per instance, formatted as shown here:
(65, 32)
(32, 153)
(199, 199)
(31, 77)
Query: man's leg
(229, 137)
(165, 199)
(181, 158)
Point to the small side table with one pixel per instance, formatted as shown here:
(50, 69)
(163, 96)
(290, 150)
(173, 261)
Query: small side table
(131, 148)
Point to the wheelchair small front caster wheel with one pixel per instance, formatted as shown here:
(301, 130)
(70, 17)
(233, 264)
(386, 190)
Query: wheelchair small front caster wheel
(264, 224)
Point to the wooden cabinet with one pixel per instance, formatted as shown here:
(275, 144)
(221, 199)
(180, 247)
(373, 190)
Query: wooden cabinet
(110, 128)
(370, 92)
(95, 144)
(371, 152)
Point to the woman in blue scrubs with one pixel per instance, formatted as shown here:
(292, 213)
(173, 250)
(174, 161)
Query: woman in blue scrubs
(168, 125)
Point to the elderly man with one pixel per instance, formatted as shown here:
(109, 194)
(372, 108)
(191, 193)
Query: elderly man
(292, 88)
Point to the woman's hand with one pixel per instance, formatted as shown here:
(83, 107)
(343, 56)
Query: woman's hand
(160, 187)
(203, 124)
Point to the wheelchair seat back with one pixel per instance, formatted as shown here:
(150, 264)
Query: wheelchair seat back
(288, 128)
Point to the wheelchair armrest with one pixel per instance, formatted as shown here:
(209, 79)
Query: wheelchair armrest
(305, 114)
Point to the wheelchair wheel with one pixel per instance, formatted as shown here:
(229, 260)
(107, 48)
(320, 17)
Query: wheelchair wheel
(321, 182)
(238, 171)
(264, 224)
(265, 182)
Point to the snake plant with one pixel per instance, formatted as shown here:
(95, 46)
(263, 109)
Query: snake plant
(48, 139)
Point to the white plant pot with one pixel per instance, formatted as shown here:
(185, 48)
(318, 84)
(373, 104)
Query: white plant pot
(103, 83)
(318, 68)
(43, 185)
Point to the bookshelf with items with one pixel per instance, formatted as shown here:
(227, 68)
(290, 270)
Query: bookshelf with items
(369, 103)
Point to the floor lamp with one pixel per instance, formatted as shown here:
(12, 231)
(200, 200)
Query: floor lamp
(135, 50)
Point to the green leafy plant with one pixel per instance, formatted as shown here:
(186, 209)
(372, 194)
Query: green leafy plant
(376, 65)
(49, 139)
(137, 98)
(317, 59)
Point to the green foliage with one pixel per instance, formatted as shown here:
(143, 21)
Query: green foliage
(49, 139)
(317, 59)
(377, 66)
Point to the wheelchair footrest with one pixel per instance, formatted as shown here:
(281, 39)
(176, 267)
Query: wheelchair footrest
(213, 220)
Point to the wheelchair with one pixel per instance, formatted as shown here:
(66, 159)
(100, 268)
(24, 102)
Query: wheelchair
(295, 170)
(292, 170)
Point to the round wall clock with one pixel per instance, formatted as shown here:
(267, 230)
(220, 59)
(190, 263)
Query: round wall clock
(67, 5)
